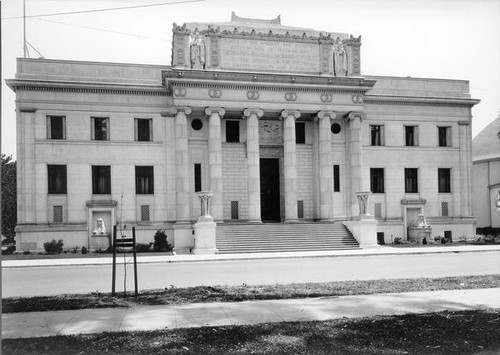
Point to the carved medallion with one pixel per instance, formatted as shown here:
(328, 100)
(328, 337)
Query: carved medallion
(253, 95)
(270, 132)
(326, 98)
(291, 96)
(215, 93)
(180, 92)
(357, 99)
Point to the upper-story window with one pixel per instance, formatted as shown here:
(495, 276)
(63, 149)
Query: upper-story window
(144, 180)
(144, 129)
(411, 180)
(56, 177)
(411, 137)
(444, 136)
(101, 179)
(233, 131)
(56, 127)
(444, 180)
(377, 180)
(100, 128)
(300, 132)
(376, 135)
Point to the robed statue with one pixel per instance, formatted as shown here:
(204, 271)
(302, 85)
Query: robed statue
(339, 58)
(197, 51)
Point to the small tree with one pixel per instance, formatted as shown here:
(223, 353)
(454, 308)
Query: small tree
(161, 243)
(53, 247)
(9, 198)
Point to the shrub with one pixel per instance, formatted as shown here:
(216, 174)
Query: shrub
(437, 239)
(143, 247)
(53, 247)
(161, 243)
(84, 250)
(397, 240)
(10, 250)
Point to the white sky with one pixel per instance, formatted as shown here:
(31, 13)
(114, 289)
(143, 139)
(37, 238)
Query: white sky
(449, 39)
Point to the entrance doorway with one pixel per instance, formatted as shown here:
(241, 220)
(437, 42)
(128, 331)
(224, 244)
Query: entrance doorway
(270, 189)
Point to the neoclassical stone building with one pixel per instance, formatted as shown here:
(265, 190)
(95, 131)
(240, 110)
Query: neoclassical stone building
(278, 123)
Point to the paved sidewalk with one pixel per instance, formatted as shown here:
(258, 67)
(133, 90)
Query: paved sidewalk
(87, 321)
(144, 259)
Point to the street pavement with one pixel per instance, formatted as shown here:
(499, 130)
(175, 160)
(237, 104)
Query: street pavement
(87, 321)
(69, 276)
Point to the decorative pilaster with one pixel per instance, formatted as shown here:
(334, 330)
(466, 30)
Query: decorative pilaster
(183, 195)
(290, 164)
(169, 154)
(465, 141)
(356, 150)
(325, 165)
(215, 159)
(253, 163)
(26, 174)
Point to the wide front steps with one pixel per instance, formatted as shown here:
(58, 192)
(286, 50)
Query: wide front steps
(283, 237)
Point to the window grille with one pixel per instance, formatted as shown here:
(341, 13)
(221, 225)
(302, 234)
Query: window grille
(378, 209)
(300, 209)
(444, 209)
(234, 210)
(145, 213)
(57, 214)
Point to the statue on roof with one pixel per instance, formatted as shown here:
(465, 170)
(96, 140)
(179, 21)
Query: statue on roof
(339, 58)
(197, 51)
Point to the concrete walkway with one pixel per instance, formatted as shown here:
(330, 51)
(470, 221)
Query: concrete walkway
(87, 321)
(145, 259)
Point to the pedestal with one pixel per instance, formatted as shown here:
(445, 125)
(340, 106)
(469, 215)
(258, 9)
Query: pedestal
(204, 238)
(364, 230)
(100, 241)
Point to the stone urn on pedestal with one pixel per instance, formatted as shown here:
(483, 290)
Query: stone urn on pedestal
(204, 228)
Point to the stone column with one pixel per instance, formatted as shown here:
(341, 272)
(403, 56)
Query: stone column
(215, 160)
(325, 165)
(253, 163)
(356, 149)
(183, 193)
(290, 164)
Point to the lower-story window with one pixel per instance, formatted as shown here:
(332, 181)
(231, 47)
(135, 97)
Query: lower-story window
(101, 179)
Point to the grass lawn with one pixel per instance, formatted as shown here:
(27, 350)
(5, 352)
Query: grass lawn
(245, 292)
(466, 332)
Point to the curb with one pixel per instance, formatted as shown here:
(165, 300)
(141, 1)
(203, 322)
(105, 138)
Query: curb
(371, 251)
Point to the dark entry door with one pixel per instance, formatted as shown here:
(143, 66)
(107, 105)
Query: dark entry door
(270, 189)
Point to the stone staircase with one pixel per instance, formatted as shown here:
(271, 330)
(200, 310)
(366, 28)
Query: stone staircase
(283, 237)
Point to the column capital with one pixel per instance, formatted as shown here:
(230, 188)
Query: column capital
(215, 110)
(326, 114)
(253, 111)
(172, 111)
(356, 114)
(287, 113)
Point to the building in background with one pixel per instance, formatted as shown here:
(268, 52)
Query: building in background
(486, 176)
(278, 123)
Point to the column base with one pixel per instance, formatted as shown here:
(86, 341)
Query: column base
(295, 220)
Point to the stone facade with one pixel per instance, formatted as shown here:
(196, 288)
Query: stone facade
(273, 131)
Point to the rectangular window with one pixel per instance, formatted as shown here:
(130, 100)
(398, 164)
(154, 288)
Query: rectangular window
(411, 180)
(377, 135)
(336, 178)
(300, 132)
(377, 180)
(300, 209)
(57, 179)
(233, 131)
(197, 177)
(444, 180)
(143, 129)
(234, 209)
(144, 180)
(444, 136)
(100, 128)
(144, 213)
(57, 214)
(411, 138)
(377, 209)
(101, 179)
(56, 127)
(444, 209)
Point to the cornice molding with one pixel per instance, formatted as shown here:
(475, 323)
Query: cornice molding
(84, 87)
(419, 101)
